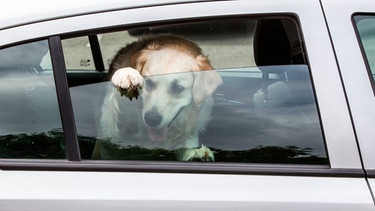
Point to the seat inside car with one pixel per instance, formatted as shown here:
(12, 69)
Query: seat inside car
(286, 95)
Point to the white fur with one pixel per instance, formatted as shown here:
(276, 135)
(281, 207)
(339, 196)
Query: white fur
(127, 78)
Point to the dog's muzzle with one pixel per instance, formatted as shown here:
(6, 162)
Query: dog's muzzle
(153, 119)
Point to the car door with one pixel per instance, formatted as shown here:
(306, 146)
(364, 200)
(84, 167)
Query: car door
(280, 131)
(353, 41)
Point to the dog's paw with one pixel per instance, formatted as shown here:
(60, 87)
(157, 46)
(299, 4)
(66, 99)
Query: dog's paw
(128, 82)
(202, 154)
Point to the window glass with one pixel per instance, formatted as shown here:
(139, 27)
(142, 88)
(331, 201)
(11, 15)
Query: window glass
(109, 44)
(30, 125)
(252, 101)
(366, 30)
(77, 54)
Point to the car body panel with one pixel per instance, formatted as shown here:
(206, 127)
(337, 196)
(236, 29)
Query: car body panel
(355, 76)
(353, 70)
(98, 190)
(337, 126)
(20, 12)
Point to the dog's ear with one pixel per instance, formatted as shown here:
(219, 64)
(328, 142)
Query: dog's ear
(206, 81)
(138, 60)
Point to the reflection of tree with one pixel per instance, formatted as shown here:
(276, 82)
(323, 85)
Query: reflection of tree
(271, 154)
(260, 154)
(47, 145)
(50, 145)
(137, 153)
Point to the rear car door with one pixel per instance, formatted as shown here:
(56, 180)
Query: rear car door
(277, 148)
(354, 40)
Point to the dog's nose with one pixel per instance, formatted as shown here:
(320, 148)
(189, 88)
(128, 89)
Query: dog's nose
(152, 118)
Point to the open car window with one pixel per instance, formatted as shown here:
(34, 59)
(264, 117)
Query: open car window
(262, 111)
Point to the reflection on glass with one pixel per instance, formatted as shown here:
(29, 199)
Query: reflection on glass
(77, 54)
(247, 118)
(366, 30)
(30, 125)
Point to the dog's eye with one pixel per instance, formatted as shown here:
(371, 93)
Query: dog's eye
(149, 84)
(176, 88)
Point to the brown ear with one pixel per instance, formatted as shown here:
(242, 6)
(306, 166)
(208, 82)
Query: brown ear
(206, 81)
(138, 60)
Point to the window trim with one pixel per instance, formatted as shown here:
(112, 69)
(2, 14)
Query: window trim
(96, 53)
(287, 16)
(63, 94)
(355, 18)
(179, 167)
(149, 166)
(92, 35)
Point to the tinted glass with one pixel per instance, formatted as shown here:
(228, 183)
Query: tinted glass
(256, 105)
(366, 30)
(30, 125)
(77, 54)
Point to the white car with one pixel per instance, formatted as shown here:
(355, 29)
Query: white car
(290, 127)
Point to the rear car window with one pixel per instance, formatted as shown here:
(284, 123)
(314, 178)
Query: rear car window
(30, 125)
(263, 111)
(365, 26)
(77, 55)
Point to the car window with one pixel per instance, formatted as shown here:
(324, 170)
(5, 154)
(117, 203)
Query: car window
(251, 101)
(77, 54)
(365, 26)
(30, 125)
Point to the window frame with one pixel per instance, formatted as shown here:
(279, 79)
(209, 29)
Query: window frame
(144, 166)
(290, 17)
(355, 18)
(65, 104)
(73, 151)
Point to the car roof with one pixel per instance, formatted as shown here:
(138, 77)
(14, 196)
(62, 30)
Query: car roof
(20, 12)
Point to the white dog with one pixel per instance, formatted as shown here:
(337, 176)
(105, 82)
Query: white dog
(175, 107)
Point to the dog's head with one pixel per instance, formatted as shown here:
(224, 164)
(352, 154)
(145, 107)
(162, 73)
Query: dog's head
(174, 80)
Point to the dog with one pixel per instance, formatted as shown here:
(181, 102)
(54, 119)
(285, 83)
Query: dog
(175, 82)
